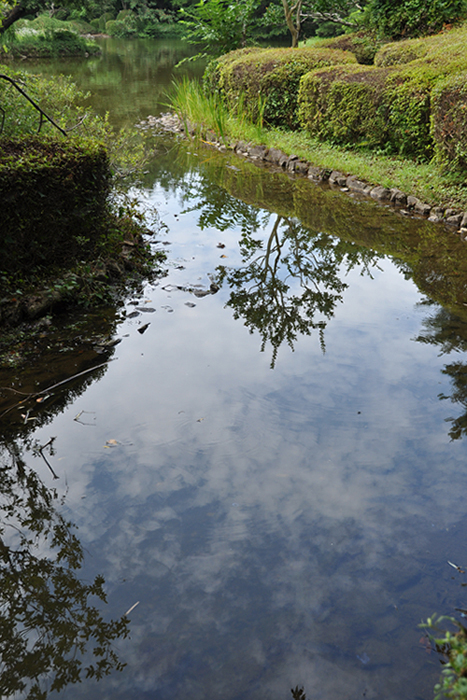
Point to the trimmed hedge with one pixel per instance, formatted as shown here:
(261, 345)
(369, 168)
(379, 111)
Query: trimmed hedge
(412, 102)
(373, 107)
(449, 121)
(445, 50)
(54, 200)
(389, 106)
(254, 81)
(401, 52)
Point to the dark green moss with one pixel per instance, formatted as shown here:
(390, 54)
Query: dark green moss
(54, 200)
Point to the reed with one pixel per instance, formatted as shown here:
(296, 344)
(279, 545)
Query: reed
(198, 110)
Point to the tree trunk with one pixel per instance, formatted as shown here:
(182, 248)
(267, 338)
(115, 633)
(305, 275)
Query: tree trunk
(12, 16)
(294, 27)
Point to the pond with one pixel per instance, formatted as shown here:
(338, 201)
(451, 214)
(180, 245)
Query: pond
(269, 468)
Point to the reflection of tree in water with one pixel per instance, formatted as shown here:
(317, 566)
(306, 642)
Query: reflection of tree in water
(291, 284)
(47, 621)
(449, 333)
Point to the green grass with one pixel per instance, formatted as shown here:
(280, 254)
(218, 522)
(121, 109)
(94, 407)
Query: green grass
(425, 180)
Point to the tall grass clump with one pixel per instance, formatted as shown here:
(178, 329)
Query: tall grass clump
(198, 110)
(203, 111)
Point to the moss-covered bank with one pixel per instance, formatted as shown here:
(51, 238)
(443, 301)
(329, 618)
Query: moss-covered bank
(62, 241)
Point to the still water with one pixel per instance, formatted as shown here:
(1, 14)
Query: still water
(266, 475)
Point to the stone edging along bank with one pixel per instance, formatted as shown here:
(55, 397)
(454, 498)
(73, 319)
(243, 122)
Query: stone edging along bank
(406, 204)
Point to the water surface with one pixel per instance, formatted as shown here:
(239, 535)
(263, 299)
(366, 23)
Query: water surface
(268, 470)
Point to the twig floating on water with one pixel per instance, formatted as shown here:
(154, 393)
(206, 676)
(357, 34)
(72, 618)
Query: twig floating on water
(132, 608)
(458, 568)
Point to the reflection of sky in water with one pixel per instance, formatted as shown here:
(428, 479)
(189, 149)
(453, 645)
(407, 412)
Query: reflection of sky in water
(278, 527)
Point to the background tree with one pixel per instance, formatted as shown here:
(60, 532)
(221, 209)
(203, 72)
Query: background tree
(413, 17)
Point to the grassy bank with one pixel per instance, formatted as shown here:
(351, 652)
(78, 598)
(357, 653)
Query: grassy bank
(45, 37)
(428, 181)
(400, 122)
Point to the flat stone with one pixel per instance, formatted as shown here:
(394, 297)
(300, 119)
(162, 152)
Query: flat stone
(417, 206)
(354, 184)
(337, 178)
(451, 212)
(454, 220)
(464, 221)
(298, 166)
(257, 152)
(398, 197)
(317, 174)
(382, 194)
(274, 155)
(422, 208)
(241, 147)
(436, 215)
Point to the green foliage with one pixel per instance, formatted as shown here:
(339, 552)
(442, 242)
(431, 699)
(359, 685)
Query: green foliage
(267, 80)
(414, 17)
(197, 109)
(62, 100)
(371, 107)
(46, 36)
(397, 98)
(345, 13)
(335, 108)
(401, 52)
(413, 103)
(219, 26)
(329, 29)
(363, 44)
(453, 646)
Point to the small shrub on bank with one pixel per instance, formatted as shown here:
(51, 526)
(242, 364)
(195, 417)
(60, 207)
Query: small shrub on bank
(265, 82)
